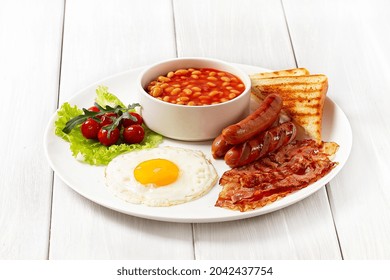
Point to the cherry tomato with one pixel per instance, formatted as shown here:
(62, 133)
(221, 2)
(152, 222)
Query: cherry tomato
(128, 122)
(107, 118)
(94, 109)
(90, 129)
(133, 134)
(108, 139)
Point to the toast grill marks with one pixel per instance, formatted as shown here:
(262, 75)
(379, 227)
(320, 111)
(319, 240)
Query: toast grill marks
(287, 72)
(303, 96)
(291, 168)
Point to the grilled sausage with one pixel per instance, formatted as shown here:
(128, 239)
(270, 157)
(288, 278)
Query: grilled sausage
(261, 119)
(219, 147)
(261, 145)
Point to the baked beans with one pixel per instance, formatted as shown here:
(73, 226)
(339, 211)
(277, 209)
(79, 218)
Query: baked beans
(196, 87)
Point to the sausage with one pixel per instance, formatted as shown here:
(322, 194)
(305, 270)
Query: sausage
(261, 119)
(219, 147)
(261, 145)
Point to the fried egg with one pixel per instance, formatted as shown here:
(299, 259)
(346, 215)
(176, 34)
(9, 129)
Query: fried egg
(162, 176)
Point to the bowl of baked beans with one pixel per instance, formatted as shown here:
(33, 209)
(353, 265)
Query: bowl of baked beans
(193, 99)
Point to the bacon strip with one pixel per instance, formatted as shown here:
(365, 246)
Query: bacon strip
(291, 168)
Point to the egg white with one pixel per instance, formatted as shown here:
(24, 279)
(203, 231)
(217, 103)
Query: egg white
(196, 177)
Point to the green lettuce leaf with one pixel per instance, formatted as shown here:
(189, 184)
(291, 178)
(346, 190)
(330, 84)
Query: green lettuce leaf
(104, 98)
(91, 151)
(65, 113)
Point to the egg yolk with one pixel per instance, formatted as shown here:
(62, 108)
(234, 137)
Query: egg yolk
(160, 172)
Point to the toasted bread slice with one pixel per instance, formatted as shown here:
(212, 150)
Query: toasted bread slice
(287, 72)
(303, 98)
(255, 99)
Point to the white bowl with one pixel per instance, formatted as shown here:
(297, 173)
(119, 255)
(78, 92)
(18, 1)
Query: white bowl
(191, 123)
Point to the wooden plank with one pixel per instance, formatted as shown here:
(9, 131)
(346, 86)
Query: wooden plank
(30, 43)
(348, 40)
(301, 231)
(102, 38)
(82, 229)
(249, 32)
(253, 32)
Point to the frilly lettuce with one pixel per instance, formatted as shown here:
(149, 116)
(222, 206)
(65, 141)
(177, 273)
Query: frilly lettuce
(90, 151)
(104, 98)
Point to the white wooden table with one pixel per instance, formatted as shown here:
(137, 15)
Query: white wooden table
(50, 49)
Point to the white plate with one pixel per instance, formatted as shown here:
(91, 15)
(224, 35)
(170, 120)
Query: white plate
(88, 180)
